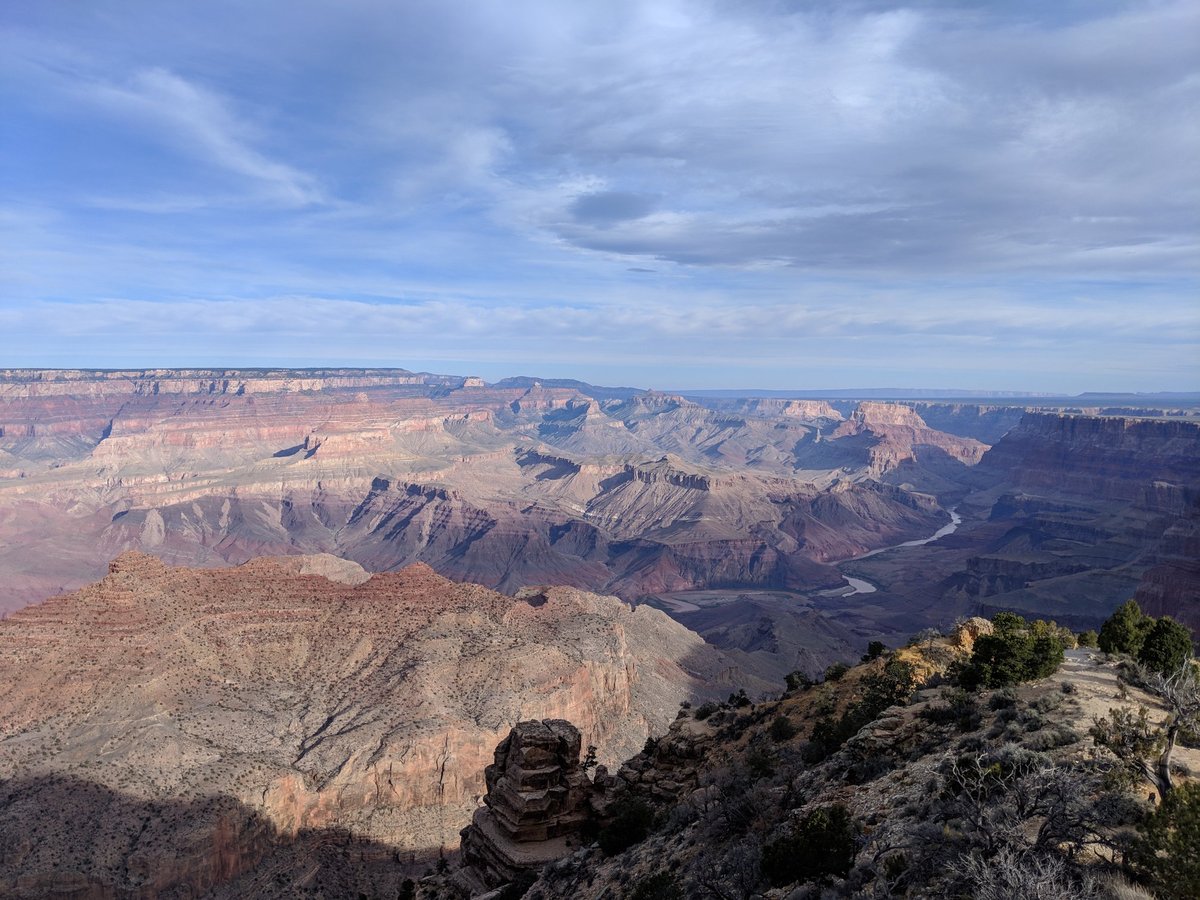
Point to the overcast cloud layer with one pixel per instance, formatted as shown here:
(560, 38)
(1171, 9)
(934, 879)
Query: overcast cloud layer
(779, 195)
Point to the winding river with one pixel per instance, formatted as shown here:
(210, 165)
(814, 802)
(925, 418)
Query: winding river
(859, 586)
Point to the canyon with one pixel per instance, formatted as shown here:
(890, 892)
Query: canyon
(1065, 517)
(270, 624)
(741, 517)
(309, 696)
(504, 485)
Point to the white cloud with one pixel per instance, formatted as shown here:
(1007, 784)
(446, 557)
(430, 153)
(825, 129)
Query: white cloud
(942, 175)
(199, 123)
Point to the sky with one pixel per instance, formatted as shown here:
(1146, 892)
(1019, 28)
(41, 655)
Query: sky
(778, 194)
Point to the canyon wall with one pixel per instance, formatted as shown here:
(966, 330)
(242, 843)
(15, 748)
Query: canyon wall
(313, 704)
(626, 493)
(1067, 517)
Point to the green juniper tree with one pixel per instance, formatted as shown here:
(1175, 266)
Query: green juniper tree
(1125, 630)
(1166, 647)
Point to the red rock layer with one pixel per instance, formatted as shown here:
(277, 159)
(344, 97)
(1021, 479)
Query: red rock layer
(312, 704)
(504, 485)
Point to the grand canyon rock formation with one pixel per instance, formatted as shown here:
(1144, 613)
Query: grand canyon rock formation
(536, 804)
(224, 728)
(639, 494)
(893, 435)
(614, 490)
(173, 725)
(1065, 517)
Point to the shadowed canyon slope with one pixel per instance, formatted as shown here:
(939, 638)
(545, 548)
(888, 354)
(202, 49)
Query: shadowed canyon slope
(368, 706)
(509, 484)
(1066, 517)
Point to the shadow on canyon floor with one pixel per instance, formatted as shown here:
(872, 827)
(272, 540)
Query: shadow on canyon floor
(65, 836)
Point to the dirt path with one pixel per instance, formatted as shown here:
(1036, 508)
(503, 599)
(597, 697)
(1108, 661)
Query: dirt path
(1098, 690)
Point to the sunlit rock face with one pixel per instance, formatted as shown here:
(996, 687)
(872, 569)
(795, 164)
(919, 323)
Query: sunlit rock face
(614, 490)
(364, 705)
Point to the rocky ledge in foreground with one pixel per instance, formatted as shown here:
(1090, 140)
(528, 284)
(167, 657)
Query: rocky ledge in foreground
(886, 780)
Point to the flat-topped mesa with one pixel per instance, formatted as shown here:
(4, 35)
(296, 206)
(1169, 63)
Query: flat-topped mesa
(543, 399)
(537, 803)
(872, 412)
(806, 409)
(667, 471)
(19, 383)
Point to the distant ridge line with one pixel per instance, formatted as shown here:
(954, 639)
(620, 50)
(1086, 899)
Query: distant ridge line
(1091, 397)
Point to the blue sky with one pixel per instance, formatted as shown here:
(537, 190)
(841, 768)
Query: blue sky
(666, 194)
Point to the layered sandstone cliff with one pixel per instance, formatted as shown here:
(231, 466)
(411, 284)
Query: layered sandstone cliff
(1109, 458)
(1171, 586)
(507, 484)
(366, 706)
(895, 434)
(536, 805)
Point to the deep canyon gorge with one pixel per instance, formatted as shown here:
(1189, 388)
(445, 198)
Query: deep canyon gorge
(312, 601)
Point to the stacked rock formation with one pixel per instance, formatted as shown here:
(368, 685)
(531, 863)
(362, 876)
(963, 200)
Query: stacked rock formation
(536, 804)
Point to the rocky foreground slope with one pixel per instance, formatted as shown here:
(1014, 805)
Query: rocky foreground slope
(167, 729)
(1000, 794)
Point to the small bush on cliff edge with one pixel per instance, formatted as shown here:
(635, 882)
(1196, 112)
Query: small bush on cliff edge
(782, 729)
(518, 887)
(835, 671)
(893, 685)
(1161, 645)
(875, 649)
(1170, 846)
(1125, 630)
(1167, 646)
(630, 824)
(821, 844)
(706, 710)
(1017, 651)
(661, 886)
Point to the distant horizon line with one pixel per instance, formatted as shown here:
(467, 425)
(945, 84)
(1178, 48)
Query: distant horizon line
(899, 393)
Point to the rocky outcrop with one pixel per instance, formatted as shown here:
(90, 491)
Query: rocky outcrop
(536, 804)
(540, 802)
(755, 823)
(967, 632)
(668, 768)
